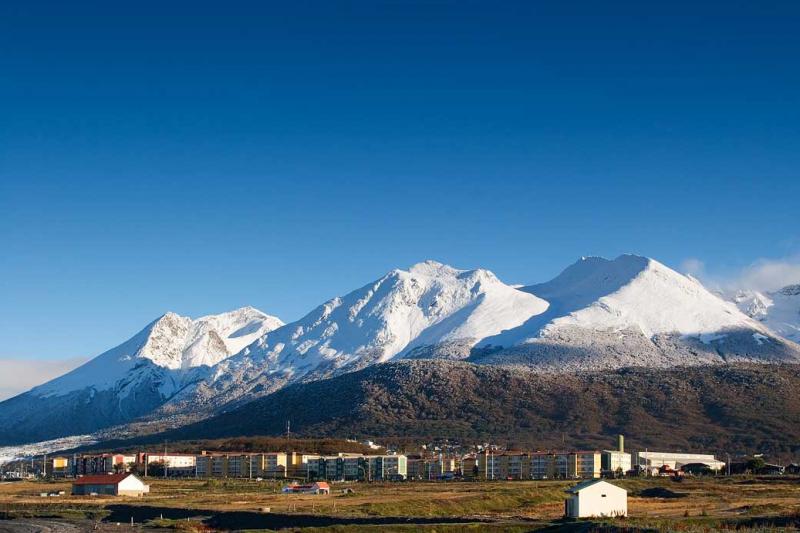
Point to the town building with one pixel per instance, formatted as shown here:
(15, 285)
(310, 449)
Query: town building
(319, 487)
(352, 467)
(440, 467)
(176, 464)
(652, 461)
(386, 467)
(596, 498)
(415, 468)
(242, 465)
(104, 463)
(492, 465)
(110, 484)
(61, 466)
(616, 462)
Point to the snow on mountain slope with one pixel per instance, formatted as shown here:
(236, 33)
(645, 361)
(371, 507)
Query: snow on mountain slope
(633, 311)
(171, 342)
(429, 306)
(132, 379)
(778, 310)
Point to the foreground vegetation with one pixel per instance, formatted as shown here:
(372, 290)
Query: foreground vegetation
(702, 504)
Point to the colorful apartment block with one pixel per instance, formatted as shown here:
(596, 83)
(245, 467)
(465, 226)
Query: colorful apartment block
(490, 465)
(353, 467)
(243, 465)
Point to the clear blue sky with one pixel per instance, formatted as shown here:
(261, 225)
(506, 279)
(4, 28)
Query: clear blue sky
(198, 157)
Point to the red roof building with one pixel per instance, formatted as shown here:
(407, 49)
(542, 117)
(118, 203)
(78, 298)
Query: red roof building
(111, 485)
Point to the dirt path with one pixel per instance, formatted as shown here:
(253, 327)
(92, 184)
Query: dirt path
(39, 526)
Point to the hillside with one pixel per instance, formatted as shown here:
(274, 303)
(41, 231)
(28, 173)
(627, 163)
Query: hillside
(742, 408)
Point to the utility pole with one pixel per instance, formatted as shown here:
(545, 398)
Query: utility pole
(165, 459)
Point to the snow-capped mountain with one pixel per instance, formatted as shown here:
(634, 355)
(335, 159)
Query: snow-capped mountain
(404, 312)
(632, 311)
(597, 314)
(429, 310)
(137, 376)
(778, 310)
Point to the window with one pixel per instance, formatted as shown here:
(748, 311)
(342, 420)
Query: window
(602, 495)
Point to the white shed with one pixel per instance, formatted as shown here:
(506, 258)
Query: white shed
(595, 498)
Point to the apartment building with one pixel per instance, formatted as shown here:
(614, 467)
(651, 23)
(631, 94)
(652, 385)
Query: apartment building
(176, 464)
(243, 465)
(342, 466)
(416, 467)
(588, 465)
(105, 463)
(533, 465)
(352, 467)
(60, 466)
(544, 466)
(439, 467)
(387, 467)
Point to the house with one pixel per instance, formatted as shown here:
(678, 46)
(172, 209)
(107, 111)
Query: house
(596, 498)
(112, 485)
(320, 487)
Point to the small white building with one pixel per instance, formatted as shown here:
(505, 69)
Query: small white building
(596, 498)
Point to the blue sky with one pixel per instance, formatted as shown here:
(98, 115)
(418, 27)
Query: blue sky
(197, 157)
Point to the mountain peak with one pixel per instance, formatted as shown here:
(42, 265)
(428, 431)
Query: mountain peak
(433, 268)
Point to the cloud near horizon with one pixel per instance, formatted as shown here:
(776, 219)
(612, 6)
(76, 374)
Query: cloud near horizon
(762, 275)
(20, 375)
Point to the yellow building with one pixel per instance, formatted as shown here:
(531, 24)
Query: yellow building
(60, 466)
(532, 465)
(242, 465)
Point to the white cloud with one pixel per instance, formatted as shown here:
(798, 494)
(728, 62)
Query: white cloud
(761, 275)
(770, 274)
(694, 267)
(20, 375)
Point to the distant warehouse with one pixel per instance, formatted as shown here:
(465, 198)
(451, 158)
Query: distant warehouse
(652, 461)
(110, 485)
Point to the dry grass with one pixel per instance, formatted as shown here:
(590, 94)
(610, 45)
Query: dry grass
(694, 504)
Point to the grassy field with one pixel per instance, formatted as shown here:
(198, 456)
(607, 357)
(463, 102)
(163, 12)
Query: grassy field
(756, 504)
